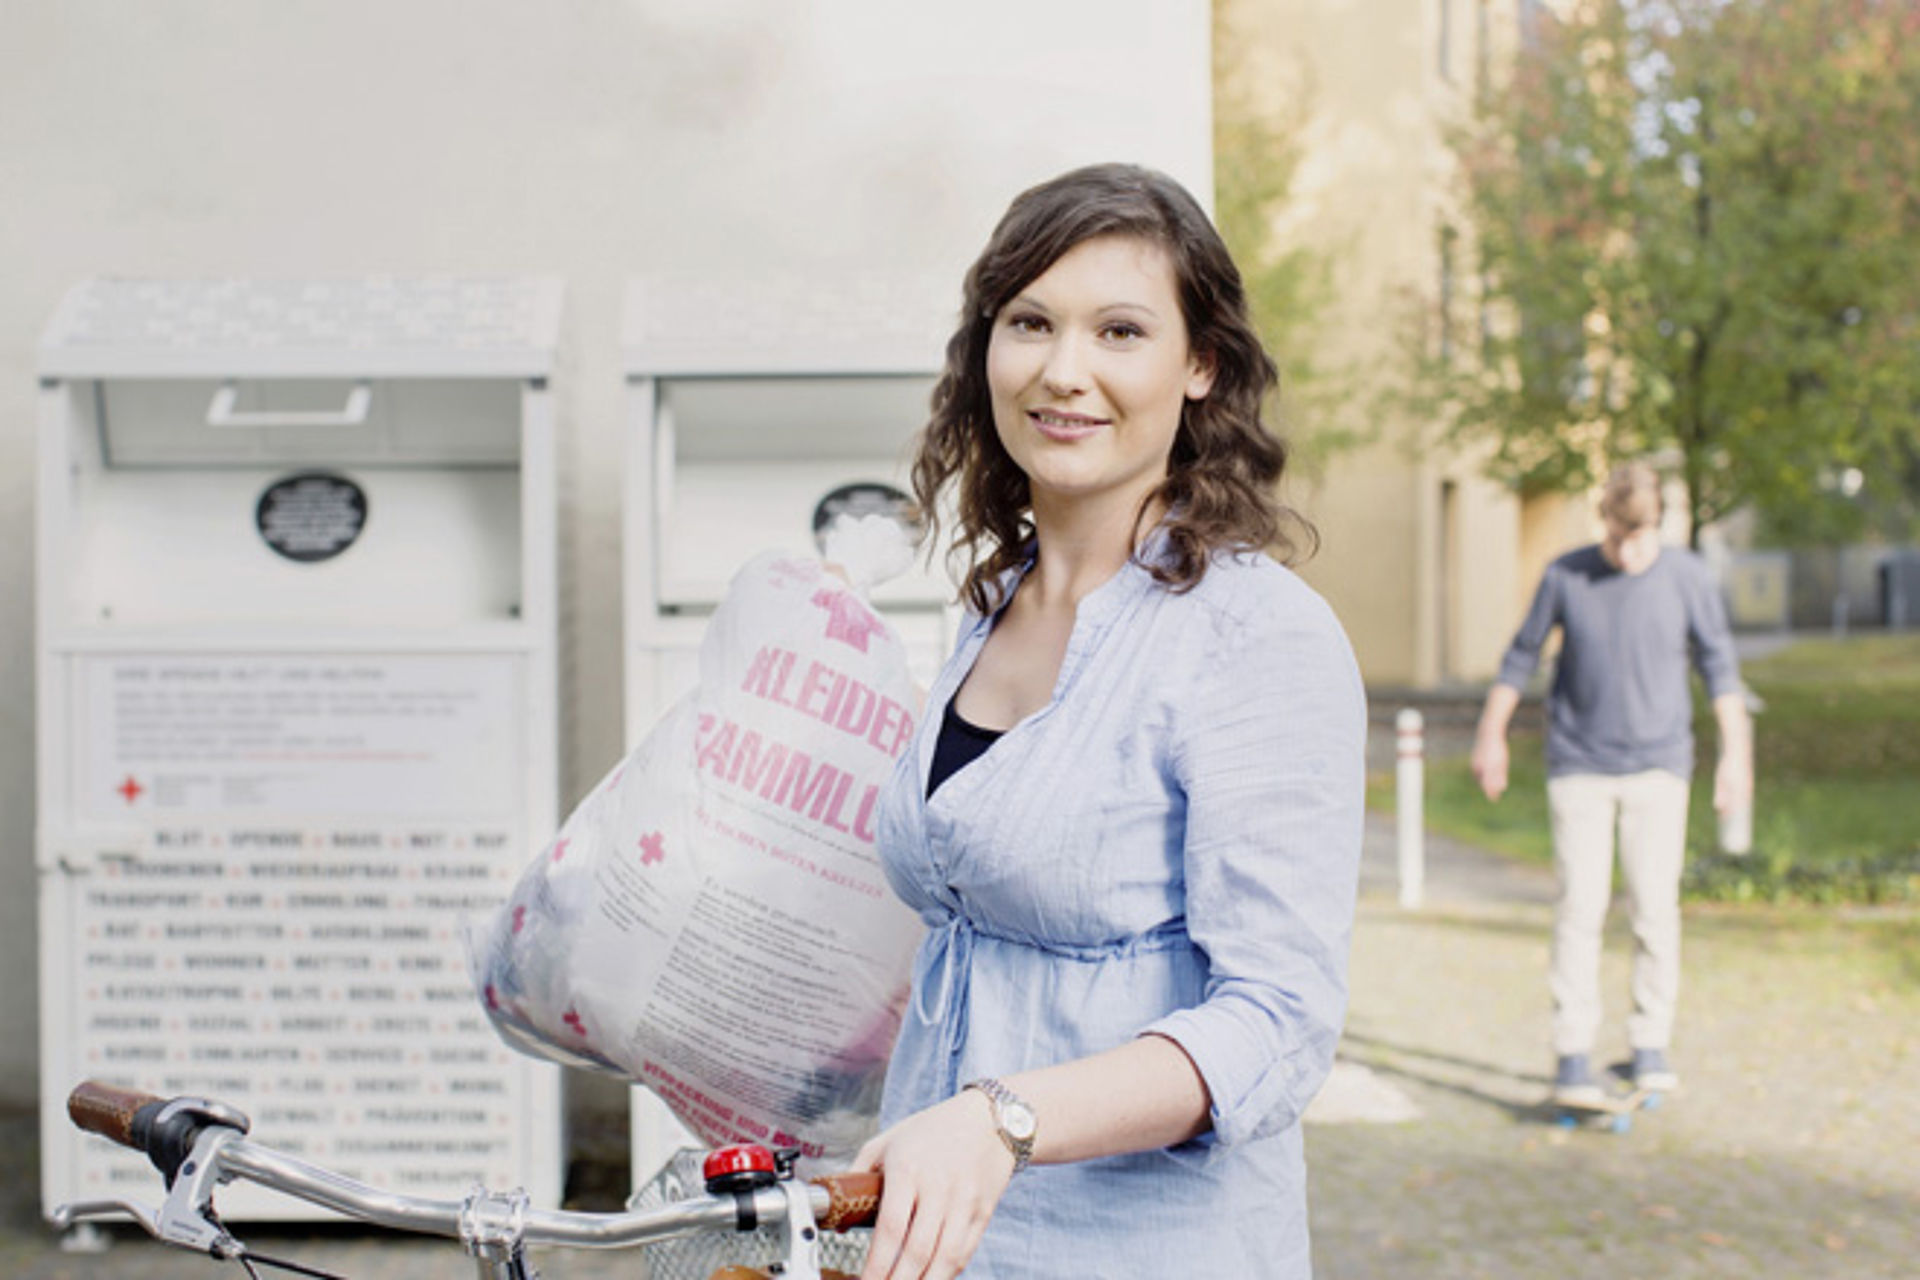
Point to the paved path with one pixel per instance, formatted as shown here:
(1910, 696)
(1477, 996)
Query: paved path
(1790, 1152)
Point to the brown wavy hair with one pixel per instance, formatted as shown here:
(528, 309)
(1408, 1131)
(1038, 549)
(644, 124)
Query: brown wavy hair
(1221, 476)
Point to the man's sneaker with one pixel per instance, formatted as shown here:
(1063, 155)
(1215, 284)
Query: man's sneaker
(1649, 1070)
(1573, 1082)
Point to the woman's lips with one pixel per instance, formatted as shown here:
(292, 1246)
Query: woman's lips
(1064, 427)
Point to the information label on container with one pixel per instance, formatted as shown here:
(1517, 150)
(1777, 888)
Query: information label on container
(312, 975)
(404, 737)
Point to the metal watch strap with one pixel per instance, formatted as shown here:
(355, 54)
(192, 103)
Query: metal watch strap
(1001, 1097)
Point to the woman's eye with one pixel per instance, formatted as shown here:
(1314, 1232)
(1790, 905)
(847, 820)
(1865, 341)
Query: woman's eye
(1123, 331)
(1027, 324)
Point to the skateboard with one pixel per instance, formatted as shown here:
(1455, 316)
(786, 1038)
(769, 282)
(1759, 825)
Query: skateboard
(1612, 1111)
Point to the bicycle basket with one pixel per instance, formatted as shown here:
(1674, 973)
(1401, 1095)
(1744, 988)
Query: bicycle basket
(697, 1257)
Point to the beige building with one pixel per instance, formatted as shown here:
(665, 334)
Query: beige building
(1429, 564)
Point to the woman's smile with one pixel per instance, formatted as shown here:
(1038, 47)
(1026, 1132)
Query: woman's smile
(1064, 427)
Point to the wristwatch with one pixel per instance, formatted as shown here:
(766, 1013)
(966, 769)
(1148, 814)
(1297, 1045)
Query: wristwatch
(1014, 1119)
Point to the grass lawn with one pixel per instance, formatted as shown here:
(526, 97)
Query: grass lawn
(1837, 763)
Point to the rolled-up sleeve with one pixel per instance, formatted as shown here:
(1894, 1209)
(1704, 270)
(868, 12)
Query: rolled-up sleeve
(1271, 757)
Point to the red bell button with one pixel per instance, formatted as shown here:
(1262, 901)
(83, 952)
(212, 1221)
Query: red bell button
(740, 1168)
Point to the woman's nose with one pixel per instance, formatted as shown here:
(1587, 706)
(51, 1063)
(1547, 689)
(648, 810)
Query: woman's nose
(1065, 371)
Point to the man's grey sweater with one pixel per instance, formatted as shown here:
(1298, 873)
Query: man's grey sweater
(1620, 702)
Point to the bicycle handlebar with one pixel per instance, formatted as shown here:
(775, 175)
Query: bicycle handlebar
(853, 1200)
(168, 1130)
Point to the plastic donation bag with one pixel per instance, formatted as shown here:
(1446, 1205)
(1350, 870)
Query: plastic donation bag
(712, 920)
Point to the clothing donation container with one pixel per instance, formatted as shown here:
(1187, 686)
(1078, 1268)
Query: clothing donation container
(296, 715)
(758, 411)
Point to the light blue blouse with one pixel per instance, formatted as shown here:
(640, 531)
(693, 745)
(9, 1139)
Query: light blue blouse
(1170, 845)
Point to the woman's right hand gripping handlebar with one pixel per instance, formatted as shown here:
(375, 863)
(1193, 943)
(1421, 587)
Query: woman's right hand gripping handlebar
(945, 1170)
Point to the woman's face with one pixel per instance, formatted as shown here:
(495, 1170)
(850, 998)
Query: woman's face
(1088, 368)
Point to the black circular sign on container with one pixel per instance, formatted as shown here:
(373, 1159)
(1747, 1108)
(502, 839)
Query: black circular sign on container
(867, 498)
(311, 516)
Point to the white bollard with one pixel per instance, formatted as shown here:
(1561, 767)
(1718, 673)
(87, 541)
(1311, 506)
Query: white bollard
(1409, 805)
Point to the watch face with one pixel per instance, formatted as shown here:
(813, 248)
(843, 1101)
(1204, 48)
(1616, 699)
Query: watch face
(1018, 1120)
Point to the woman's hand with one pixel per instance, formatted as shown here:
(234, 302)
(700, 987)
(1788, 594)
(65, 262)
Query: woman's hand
(946, 1171)
(946, 1167)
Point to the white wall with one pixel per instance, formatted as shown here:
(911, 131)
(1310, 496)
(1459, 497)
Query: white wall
(593, 139)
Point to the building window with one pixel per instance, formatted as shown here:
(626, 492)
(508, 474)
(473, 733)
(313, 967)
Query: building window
(1530, 16)
(1482, 61)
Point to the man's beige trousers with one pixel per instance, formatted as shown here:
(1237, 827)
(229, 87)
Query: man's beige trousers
(1649, 811)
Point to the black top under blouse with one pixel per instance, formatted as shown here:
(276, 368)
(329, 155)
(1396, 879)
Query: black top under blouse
(958, 746)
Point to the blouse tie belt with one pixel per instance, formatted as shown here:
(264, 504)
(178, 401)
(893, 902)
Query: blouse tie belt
(941, 1003)
(943, 974)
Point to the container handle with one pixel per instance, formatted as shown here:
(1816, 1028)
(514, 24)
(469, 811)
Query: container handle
(221, 412)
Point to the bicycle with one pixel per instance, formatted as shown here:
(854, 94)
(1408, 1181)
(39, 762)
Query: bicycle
(199, 1145)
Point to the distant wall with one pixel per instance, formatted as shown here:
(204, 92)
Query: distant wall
(1848, 586)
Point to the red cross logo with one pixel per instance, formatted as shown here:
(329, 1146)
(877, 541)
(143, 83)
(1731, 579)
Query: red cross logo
(559, 849)
(572, 1019)
(848, 621)
(652, 849)
(790, 571)
(130, 789)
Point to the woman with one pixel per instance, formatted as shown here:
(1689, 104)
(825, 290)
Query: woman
(1131, 818)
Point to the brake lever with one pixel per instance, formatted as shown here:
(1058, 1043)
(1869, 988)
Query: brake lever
(157, 1223)
(186, 1218)
(66, 1215)
(803, 1236)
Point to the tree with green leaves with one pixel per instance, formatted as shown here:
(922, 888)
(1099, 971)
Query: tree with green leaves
(1697, 227)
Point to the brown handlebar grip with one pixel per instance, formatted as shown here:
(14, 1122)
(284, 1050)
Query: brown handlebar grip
(106, 1110)
(853, 1199)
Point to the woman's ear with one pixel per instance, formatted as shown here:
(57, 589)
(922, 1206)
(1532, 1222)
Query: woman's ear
(1200, 371)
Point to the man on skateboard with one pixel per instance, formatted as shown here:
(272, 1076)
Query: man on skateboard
(1619, 757)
